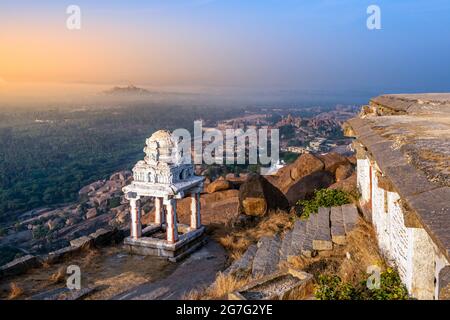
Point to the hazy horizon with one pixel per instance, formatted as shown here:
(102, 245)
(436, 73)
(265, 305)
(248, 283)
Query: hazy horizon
(289, 50)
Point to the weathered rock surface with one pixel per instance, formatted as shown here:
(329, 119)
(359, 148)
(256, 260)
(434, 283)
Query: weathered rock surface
(83, 242)
(297, 238)
(61, 254)
(218, 185)
(285, 245)
(102, 236)
(444, 283)
(267, 256)
(304, 165)
(311, 230)
(91, 213)
(19, 265)
(201, 267)
(304, 188)
(337, 226)
(332, 161)
(344, 171)
(243, 266)
(322, 238)
(347, 185)
(350, 216)
(64, 294)
(220, 207)
(307, 238)
(352, 159)
(257, 196)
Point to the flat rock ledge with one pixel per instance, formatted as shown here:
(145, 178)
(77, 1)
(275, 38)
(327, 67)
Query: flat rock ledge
(23, 264)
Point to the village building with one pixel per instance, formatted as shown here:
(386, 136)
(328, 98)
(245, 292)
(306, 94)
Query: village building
(403, 174)
(167, 177)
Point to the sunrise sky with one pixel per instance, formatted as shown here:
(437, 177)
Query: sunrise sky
(247, 43)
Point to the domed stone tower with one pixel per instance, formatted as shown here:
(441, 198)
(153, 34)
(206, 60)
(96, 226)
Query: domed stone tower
(164, 161)
(165, 175)
(160, 147)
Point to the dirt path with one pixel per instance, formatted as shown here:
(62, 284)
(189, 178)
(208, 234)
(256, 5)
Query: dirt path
(110, 268)
(196, 271)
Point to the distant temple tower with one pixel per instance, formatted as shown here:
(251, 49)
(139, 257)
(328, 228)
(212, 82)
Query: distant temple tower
(164, 176)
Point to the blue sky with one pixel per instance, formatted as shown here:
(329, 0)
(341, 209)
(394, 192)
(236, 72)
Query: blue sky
(311, 44)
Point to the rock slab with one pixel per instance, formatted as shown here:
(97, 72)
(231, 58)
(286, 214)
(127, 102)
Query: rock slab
(322, 240)
(267, 256)
(337, 226)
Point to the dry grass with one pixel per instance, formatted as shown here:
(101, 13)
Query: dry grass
(236, 240)
(362, 250)
(223, 285)
(91, 256)
(58, 276)
(116, 284)
(350, 261)
(15, 291)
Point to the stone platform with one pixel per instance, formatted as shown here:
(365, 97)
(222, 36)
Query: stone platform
(154, 243)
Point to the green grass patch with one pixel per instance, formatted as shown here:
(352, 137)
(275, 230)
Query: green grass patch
(331, 287)
(323, 198)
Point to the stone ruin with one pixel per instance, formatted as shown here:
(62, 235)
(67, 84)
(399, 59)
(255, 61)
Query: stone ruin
(403, 174)
(167, 177)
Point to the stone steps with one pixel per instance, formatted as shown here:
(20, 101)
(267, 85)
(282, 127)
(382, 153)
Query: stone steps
(320, 232)
(350, 216)
(337, 226)
(311, 230)
(286, 245)
(322, 239)
(267, 256)
(297, 238)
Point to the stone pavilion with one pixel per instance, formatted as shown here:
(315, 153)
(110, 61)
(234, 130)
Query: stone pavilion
(165, 176)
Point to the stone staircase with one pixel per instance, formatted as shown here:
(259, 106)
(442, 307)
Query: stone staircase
(322, 231)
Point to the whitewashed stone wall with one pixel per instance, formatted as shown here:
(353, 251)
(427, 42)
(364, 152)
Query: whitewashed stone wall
(363, 178)
(410, 250)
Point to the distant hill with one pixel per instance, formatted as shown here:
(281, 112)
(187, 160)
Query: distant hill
(127, 91)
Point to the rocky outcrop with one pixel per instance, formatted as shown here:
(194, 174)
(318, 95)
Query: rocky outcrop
(218, 185)
(344, 171)
(243, 266)
(347, 185)
(221, 207)
(332, 161)
(304, 188)
(91, 213)
(19, 265)
(305, 165)
(257, 196)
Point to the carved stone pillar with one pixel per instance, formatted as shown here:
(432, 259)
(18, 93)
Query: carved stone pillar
(159, 214)
(172, 229)
(135, 211)
(195, 211)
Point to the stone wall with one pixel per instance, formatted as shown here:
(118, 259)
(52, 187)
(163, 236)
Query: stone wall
(408, 248)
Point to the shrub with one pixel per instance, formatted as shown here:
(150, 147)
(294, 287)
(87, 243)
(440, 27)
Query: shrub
(40, 232)
(324, 198)
(333, 288)
(114, 202)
